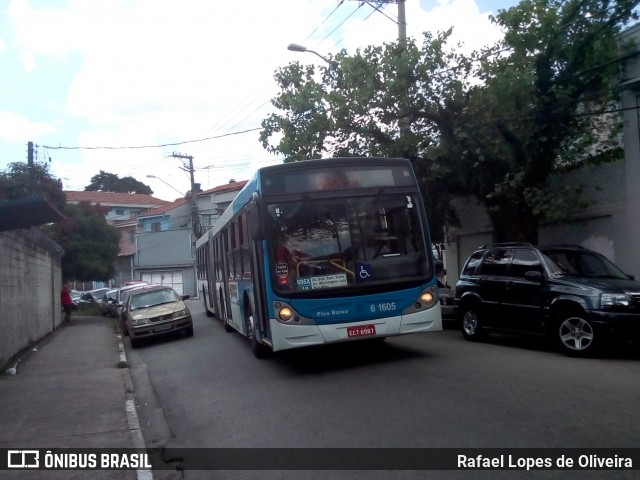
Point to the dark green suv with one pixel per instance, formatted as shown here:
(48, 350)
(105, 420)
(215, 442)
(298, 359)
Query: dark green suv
(574, 295)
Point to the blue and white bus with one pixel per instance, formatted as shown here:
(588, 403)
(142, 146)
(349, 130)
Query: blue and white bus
(322, 251)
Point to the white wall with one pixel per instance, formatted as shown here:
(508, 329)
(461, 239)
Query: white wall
(30, 285)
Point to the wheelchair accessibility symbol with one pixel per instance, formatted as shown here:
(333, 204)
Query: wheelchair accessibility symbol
(365, 272)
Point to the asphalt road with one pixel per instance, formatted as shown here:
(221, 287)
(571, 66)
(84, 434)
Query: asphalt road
(418, 391)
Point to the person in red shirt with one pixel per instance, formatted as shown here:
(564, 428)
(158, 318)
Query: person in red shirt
(67, 304)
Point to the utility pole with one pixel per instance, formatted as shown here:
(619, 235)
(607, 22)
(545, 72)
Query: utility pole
(31, 178)
(402, 38)
(402, 16)
(402, 22)
(195, 220)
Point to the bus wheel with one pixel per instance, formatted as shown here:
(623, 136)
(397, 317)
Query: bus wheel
(204, 301)
(227, 327)
(259, 350)
(223, 316)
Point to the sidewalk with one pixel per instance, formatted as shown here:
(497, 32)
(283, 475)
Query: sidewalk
(70, 392)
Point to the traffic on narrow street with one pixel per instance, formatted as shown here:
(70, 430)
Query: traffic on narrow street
(419, 391)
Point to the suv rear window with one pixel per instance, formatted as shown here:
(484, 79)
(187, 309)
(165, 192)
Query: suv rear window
(496, 263)
(525, 261)
(472, 263)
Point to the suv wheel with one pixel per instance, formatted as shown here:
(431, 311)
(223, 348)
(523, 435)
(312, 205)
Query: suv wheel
(471, 324)
(575, 334)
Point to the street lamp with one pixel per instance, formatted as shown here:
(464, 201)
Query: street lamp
(294, 47)
(167, 184)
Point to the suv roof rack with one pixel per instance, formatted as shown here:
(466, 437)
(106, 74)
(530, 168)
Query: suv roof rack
(507, 244)
(564, 245)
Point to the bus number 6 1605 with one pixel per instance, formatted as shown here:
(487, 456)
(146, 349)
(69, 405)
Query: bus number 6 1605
(383, 307)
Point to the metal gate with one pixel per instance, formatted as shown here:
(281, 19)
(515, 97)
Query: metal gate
(172, 279)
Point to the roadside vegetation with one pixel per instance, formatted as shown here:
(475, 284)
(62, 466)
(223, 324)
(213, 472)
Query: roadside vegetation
(496, 124)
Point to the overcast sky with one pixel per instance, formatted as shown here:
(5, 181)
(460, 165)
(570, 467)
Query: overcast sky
(147, 73)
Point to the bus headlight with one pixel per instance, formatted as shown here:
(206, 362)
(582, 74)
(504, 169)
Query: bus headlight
(427, 297)
(285, 314)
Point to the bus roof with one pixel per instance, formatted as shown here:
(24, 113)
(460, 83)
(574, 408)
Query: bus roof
(297, 169)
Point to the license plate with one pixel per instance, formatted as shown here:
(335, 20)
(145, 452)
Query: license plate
(162, 328)
(361, 331)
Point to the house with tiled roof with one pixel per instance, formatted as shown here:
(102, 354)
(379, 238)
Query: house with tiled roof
(171, 215)
(157, 236)
(121, 210)
(213, 202)
(163, 246)
(166, 236)
(118, 206)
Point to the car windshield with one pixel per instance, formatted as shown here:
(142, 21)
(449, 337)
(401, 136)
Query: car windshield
(341, 243)
(153, 298)
(584, 263)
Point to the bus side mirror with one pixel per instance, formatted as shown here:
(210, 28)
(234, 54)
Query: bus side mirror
(256, 230)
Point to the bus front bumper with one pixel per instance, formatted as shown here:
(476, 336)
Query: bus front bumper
(285, 336)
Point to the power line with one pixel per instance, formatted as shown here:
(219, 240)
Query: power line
(155, 146)
(341, 23)
(326, 18)
(379, 8)
(234, 109)
(375, 8)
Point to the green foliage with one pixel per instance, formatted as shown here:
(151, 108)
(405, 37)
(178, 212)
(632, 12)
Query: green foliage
(18, 181)
(90, 244)
(496, 124)
(110, 182)
(541, 101)
(379, 102)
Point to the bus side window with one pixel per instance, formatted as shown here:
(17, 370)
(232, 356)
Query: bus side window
(245, 253)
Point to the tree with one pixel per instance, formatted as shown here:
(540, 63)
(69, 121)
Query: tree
(110, 182)
(19, 181)
(496, 124)
(91, 245)
(382, 101)
(538, 112)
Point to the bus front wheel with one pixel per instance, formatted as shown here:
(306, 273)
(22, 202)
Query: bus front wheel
(259, 350)
(204, 300)
(223, 315)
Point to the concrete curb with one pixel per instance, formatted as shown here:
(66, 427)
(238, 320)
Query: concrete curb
(132, 414)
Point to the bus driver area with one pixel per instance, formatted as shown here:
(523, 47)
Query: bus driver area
(336, 243)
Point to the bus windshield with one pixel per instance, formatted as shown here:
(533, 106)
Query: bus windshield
(342, 243)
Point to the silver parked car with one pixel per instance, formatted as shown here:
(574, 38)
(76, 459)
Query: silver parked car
(93, 296)
(156, 310)
(122, 296)
(108, 303)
